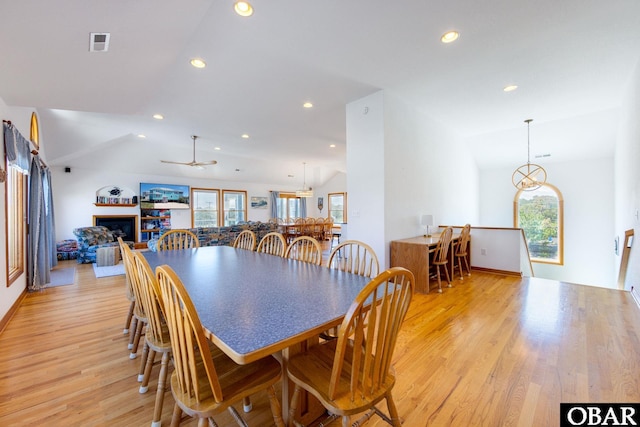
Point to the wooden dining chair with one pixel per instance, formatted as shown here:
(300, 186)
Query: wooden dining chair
(205, 381)
(177, 239)
(273, 243)
(327, 229)
(131, 321)
(351, 374)
(309, 225)
(157, 333)
(354, 257)
(245, 240)
(138, 311)
(294, 230)
(441, 256)
(318, 228)
(305, 248)
(461, 250)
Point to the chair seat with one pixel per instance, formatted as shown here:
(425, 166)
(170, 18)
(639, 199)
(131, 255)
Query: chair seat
(236, 382)
(159, 344)
(312, 371)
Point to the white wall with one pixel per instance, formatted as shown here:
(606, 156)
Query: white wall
(431, 171)
(366, 176)
(497, 249)
(627, 178)
(337, 184)
(402, 164)
(587, 189)
(74, 196)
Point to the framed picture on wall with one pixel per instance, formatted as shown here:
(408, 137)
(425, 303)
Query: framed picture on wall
(259, 202)
(164, 196)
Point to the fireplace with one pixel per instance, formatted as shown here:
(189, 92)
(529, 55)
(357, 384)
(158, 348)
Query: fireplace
(125, 226)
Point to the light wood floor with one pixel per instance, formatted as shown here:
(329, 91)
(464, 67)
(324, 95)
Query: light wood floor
(492, 351)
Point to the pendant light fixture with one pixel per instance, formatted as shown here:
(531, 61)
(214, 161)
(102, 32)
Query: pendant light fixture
(305, 192)
(529, 177)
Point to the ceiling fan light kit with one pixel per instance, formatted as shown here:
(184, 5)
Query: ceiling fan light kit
(193, 163)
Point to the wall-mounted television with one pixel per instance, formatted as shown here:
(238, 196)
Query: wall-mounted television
(164, 196)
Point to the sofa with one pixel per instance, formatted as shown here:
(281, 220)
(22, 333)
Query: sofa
(90, 239)
(225, 236)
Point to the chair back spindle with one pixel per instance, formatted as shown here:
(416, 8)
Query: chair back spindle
(441, 255)
(354, 257)
(191, 354)
(149, 291)
(461, 249)
(245, 240)
(305, 248)
(368, 334)
(177, 239)
(273, 243)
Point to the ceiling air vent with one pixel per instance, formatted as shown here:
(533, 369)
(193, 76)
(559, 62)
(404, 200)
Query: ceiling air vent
(99, 42)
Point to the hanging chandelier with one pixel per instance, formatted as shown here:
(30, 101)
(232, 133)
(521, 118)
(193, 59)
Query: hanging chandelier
(305, 192)
(529, 177)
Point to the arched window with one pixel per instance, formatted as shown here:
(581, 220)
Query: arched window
(540, 214)
(34, 131)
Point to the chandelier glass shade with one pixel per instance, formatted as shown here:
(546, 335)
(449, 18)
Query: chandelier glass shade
(529, 176)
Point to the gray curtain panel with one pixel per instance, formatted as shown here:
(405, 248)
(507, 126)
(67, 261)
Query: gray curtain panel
(273, 209)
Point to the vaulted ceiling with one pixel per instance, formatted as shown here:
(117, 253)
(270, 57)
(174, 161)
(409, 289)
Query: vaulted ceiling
(571, 60)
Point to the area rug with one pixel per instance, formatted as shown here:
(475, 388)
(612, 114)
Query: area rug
(112, 270)
(62, 276)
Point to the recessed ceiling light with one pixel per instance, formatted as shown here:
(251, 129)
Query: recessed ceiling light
(332, 146)
(142, 136)
(510, 88)
(198, 63)
(245, 136)
(307, 105)
(217, 148)
(158, 116)
(449, 37)
(243, 8)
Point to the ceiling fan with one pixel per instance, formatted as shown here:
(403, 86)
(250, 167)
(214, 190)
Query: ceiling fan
(193, 163)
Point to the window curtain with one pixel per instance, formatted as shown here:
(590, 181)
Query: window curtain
(303, 207)
(273, 209)
(39, 260)
(17, 148)
(50, 217)
(41, 250)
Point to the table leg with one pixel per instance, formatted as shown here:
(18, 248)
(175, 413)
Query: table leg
(309, 408)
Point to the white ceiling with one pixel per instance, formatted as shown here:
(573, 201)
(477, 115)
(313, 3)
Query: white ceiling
(572, 60)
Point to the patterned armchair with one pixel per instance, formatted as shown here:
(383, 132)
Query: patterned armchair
(90, 239)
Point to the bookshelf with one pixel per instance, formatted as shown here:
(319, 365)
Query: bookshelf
(153, 222)
(114, 196)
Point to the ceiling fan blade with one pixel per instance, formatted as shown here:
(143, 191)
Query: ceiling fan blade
(193, 163)
(176, 163)
(210, 162)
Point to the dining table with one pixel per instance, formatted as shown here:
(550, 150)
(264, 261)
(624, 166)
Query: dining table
(253, 305)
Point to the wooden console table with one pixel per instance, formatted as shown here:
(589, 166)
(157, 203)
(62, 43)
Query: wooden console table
(413, 254)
